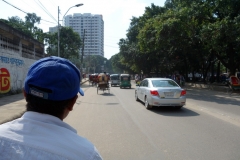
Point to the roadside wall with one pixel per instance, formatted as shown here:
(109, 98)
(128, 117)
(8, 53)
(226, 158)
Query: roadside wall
(13, 70)
(18, 52)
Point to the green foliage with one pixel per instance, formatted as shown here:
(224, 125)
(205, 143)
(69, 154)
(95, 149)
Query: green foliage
(223, 38)
(70, 43)
(184, 36)
(20, 25)
(97, 64)
(28, 26)
(117, 67)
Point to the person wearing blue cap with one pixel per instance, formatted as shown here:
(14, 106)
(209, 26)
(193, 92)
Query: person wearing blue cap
(51, 89)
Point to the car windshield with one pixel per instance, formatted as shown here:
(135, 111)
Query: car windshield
(164, 83)
(114, 77)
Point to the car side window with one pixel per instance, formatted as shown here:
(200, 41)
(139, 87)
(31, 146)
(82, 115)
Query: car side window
(141, 84)
(146, 84)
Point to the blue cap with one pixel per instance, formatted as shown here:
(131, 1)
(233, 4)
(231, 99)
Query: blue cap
(53, 78)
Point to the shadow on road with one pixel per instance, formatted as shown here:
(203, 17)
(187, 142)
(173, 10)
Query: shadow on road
(11, 99)
(213, 96)
(171, 111)
(105, 94)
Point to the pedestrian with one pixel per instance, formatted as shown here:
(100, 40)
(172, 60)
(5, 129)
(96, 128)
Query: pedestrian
(51, 89)
(173, 77)
(182, 80)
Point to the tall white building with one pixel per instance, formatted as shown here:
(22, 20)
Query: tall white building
(93, 37)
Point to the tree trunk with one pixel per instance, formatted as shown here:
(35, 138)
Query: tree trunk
(218, 72)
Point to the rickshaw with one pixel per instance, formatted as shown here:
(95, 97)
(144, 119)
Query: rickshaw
(103, 84)
(125, 81)
(234, 83)
(93, 79)
(90, 79)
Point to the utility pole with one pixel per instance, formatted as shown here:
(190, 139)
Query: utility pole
(77, 5)
(82, 53)
(58, 35)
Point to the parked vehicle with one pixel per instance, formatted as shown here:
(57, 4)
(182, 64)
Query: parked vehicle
(160, 92)
(125, 81)
(115, 79)
(234, 83)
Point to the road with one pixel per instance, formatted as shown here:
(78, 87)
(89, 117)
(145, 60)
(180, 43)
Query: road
(207, 128)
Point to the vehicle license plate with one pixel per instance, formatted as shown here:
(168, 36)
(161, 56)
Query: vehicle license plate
(168, 94)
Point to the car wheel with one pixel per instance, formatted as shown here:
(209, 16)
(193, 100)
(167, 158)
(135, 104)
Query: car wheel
(136, 97)
(147, 104)
(178, 107)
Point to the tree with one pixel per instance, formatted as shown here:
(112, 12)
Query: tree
(28, 26)
(223, 41)
(97, 64)
(70, 43)
(19, 24)
(116, 64)
(221, 34)
(130, 54)
(31, 20)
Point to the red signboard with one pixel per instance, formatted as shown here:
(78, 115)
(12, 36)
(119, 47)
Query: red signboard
(4, 80)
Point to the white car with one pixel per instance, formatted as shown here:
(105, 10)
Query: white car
(160, 92)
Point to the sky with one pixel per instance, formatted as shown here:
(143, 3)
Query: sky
(117, 15)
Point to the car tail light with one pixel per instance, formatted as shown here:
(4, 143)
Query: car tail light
(154, 92)
(184, 92)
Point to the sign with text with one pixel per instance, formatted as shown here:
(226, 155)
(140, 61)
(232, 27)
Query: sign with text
(4, 80)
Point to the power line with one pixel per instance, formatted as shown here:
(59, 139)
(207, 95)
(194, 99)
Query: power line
(14, 7)
(24, 11)
(110, 46)
(48, 21)
(53, 3)
(45, 10)
(110, 42)
(35, 10)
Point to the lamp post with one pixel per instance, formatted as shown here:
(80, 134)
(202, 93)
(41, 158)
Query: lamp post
(77, 5)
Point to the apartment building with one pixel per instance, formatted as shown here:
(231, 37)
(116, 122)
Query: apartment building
(91, 29)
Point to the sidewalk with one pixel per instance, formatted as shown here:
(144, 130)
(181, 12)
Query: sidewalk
(12, 107)
(213, 86)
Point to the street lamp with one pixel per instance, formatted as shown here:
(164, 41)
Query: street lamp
(77, 5)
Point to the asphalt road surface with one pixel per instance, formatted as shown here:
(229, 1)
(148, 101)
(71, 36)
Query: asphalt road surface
(207, 128)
